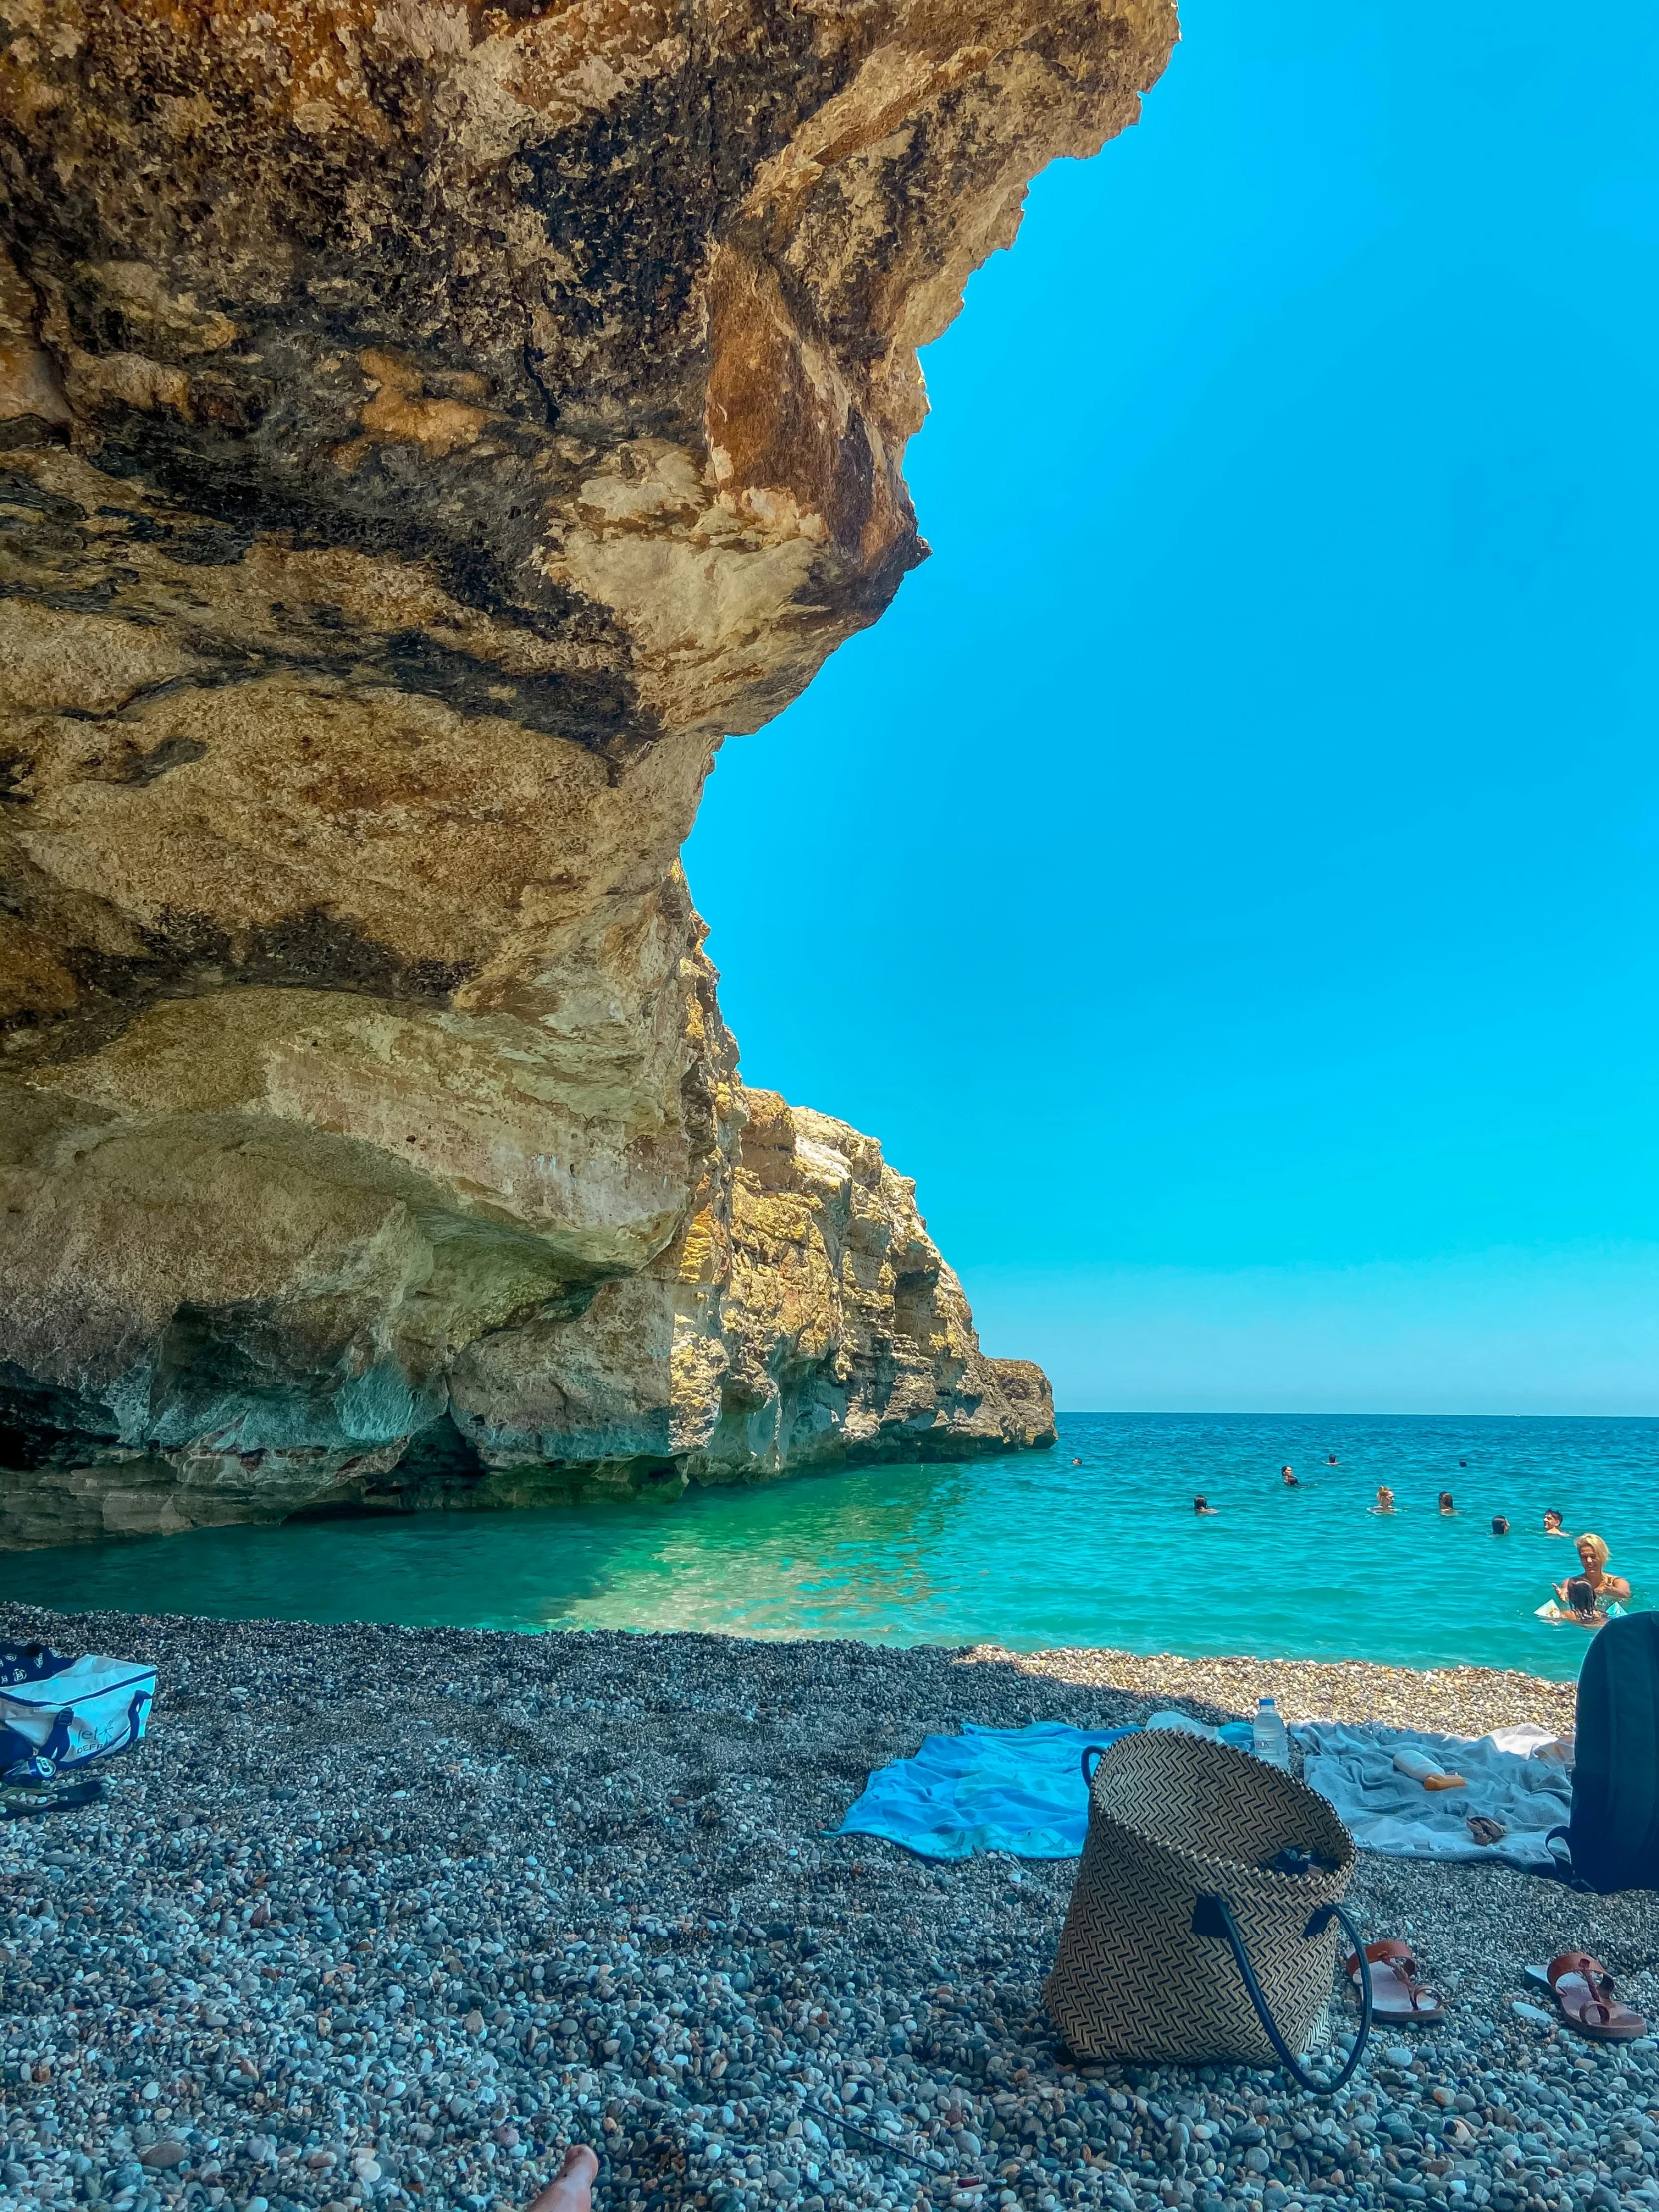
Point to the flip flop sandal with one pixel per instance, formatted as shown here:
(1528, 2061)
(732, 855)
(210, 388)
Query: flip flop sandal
(1396, 1995)
(1583, 1988)
(19, 1804)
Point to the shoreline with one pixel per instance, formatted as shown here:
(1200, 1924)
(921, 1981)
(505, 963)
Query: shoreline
(1450, 1701)
(1466, 1699)
(383, 1917)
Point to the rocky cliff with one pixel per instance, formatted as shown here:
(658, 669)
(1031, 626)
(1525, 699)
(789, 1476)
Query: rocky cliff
(426, 428)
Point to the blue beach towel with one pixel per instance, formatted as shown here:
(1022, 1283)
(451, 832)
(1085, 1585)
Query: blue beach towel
(1019, 1789)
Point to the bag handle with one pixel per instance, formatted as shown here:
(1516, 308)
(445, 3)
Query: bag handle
(1097, 1751)
(136, 1715)
(1213, 1915)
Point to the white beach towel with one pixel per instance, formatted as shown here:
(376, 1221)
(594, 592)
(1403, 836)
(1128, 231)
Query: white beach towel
(1385, 1811)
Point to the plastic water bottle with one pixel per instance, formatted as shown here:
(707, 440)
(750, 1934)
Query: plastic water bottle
(1266, 1734)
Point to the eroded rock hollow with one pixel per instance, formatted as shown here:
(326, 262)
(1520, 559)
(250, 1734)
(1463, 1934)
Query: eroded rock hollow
(427, 428)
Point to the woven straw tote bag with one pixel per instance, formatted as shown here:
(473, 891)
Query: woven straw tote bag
(1180, 1943)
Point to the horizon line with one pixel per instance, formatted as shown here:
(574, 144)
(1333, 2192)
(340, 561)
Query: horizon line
(1149, 1412)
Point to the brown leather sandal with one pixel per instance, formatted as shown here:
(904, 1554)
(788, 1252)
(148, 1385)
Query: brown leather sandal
(1583, 1988)
(1396, 1995)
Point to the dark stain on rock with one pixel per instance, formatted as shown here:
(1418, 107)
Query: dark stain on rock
(142, 528)
(592, 707)
(189, 955)
(86, 599)
(206, 1354)
(472, 543)
(45, 1427)
(19, 432)
(596, 708)
(637, 198)
(18, 490)
(193, 545)
(320, 950)
(186, 953)
(229, 404)
(172, 751)
(216, 546)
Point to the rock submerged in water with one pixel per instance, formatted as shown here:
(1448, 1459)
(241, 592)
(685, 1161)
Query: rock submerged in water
(424, 433)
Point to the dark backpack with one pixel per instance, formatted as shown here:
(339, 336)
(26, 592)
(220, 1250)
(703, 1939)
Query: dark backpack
(1614, 1830)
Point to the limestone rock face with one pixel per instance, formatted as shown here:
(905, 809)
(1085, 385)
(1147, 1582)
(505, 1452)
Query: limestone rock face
(808, 1317)
(426, 428)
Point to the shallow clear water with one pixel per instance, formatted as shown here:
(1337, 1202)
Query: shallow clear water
(1026, 1551)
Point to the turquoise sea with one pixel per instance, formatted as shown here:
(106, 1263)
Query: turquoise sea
(1029, 1551)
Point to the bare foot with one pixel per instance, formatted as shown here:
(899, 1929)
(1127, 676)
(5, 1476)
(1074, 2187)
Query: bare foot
(572, 2190)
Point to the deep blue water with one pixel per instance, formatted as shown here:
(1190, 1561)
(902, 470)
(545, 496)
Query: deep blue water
(1029, 1551)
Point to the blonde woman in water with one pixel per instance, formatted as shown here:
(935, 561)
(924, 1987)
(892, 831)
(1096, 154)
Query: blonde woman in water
(1611, 1589)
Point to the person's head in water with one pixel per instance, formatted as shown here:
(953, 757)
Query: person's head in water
(1330, 1458)
(1289, 1479)
(1581, 1597)
(1077, 1463)
(1384, 1499)
(1553, 1523)
(1202, 1506)
(1448, 1503)
(1500, 1527)
(1595, 1554)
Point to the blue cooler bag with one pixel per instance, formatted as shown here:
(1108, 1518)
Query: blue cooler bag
(57, 1713)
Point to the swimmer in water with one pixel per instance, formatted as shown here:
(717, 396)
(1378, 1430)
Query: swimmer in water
(1449, 1504)
(1077, 1463)
(1289, 1479)
(1202, 1506)
(1577, 1601)
(1500, 1527)
(1582, 1603)
(1553, 1523)
(1385, 1499)
(1609, 1589)
(1330, 1458)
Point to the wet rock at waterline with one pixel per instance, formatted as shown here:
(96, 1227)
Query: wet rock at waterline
(348, 1344)
(423, 432)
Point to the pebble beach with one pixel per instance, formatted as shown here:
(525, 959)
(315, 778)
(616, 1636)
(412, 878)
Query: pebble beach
(385, 1916)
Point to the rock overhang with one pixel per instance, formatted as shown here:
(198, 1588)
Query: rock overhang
(427, 429)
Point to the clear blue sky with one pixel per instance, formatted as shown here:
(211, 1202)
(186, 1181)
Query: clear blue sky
(1226, 877)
